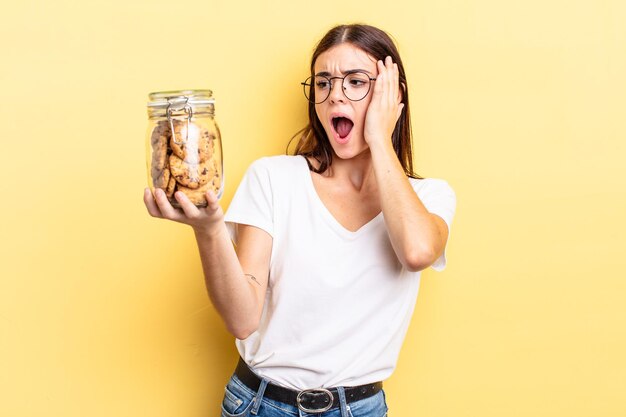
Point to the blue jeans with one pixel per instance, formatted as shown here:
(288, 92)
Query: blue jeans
(241, 401)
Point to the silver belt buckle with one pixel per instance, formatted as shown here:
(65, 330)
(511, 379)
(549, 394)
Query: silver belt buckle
(315, 410)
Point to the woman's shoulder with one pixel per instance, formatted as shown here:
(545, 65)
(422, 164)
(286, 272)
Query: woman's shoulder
(277, 166)
(280, 160)
(430, 185)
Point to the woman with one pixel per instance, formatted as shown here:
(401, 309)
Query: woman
(329, 242)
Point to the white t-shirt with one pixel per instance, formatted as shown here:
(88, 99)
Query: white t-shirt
(338, 303)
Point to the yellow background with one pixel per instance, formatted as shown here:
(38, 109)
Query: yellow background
(520, 105)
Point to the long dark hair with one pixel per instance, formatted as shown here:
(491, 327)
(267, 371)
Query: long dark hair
(313, 140)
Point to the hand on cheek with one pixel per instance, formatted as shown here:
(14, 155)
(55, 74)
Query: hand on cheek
(385, 107)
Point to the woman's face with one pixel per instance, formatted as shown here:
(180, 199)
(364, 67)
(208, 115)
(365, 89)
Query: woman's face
(343, 119)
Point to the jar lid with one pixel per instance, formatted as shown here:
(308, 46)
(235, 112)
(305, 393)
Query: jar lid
(191, 97)
(163, 103)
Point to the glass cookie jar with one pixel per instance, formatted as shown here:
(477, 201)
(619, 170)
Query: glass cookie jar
(184, 149)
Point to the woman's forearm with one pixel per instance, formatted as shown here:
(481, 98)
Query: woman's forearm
(413, 231)
(232, 294)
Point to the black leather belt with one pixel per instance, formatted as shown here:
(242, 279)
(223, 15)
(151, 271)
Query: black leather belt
(315, 400)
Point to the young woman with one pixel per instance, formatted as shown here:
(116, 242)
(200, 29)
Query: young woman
(329, 242)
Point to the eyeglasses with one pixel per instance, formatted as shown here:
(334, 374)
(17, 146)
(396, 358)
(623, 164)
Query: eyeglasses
(355, 86)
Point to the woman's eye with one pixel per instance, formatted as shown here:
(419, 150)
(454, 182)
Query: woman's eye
(357, 80)
(322, 84)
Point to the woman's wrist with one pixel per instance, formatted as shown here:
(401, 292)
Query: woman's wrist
(381, 145)
(211, 231)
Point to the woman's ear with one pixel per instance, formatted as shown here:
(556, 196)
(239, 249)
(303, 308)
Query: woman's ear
(401, 92)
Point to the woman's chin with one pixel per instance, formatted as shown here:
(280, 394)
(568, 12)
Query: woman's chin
(350, 152)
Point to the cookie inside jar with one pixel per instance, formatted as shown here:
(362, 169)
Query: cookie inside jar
(185, 158)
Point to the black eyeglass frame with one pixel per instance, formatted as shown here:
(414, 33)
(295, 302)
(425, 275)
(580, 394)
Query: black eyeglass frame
(306, 83)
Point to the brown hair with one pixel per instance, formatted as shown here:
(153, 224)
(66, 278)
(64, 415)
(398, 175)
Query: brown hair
(313, 140)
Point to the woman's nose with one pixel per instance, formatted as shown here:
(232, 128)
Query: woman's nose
(336, 91)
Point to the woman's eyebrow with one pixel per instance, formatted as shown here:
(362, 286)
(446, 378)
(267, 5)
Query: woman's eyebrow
(351, 71)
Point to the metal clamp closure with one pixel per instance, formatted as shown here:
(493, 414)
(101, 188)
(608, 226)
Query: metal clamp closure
(328, 400)
(176, 105)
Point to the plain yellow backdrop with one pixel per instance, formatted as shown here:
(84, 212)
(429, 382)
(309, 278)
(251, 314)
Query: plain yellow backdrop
(519, 105)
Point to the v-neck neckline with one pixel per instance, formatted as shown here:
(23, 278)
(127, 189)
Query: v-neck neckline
(325, 212)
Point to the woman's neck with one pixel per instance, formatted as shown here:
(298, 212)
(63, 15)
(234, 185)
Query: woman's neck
(357, 172)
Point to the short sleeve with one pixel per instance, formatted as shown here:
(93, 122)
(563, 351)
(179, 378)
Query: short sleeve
(253, 201)
(438, 198)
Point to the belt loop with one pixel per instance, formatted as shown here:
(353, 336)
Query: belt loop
(343, 405)
(259, 396)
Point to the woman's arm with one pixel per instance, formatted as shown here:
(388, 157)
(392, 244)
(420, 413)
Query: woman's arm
(417, 236)
(237, 297)
(237, 282)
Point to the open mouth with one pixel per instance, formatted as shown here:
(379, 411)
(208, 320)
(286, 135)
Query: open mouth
(342, 126)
